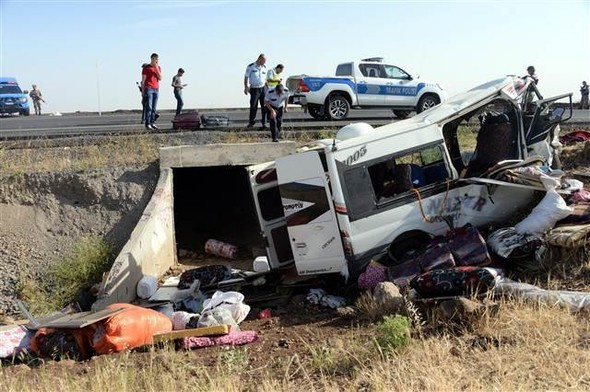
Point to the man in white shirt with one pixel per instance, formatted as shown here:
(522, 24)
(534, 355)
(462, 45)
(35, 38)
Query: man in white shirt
(276, 104)
(256, 76)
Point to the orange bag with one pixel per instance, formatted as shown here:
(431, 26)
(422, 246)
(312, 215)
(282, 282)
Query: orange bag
(133, 327)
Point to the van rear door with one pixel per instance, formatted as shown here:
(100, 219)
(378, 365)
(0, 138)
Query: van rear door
(269, 209)
(311, 220)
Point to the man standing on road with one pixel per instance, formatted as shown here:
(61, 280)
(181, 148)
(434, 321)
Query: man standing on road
(273, 77)
(584, 92)
(256, 76)
(150, 85)
(276, 104)
(178, 86)
(36, 97)
(531, 74)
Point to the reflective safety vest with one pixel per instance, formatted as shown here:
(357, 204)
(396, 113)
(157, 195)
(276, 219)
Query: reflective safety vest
(273, 78)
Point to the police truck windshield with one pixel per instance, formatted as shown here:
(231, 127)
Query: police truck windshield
(10, 89)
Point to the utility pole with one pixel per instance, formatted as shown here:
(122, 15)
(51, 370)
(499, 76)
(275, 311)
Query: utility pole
(98, 88)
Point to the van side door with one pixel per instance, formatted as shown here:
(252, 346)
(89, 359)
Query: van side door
(313, 230)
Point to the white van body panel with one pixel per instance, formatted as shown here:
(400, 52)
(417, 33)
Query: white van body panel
(309, 210)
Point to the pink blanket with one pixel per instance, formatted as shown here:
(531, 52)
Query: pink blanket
(234, 338)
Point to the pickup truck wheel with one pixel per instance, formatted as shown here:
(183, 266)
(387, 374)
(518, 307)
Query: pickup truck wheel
(426, 102)
(338, 107)
(314, 111)
(401, 114)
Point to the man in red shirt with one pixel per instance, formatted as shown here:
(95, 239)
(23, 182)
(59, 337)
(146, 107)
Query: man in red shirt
(150, 84)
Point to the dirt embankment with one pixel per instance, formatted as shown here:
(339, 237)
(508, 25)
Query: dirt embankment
(43, 214)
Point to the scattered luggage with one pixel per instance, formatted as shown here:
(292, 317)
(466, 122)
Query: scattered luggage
(188, 120)
(215, 121)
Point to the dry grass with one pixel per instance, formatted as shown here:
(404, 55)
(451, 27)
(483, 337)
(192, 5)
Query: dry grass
(110, 151)
(521, 348)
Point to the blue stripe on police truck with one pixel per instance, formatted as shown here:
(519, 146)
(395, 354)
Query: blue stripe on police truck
(316, 84)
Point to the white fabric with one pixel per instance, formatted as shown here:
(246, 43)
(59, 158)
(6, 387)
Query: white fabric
(181, 319)
(256, 75)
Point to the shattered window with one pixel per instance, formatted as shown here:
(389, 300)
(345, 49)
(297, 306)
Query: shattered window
(399, 174)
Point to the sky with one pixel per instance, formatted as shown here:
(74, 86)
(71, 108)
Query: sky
(87, 55)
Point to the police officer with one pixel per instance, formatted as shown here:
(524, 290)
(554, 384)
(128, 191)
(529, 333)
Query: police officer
(276, 104)
(256, 76)
(273, 77)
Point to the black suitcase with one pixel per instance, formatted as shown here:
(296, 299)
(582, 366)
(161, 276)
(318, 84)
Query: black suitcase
(188, 120)
(214, 121)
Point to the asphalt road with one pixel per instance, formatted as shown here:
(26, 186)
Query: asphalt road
(76, 124)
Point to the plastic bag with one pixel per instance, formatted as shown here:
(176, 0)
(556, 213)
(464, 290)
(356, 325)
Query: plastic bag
(544, 216)
(131, 328)
(217, 316)
(230, 300)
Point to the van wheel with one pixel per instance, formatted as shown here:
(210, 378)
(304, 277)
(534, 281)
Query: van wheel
(314, 111)
(401, 114)
(338, 107)
(402, 249)
(25, 112)
(426, 102)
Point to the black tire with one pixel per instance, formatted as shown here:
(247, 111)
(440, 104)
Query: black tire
(426, 102)
(25, 112)
(401, 114)
(401, 249)
(338, 107)
(175, 126)
(314, 111)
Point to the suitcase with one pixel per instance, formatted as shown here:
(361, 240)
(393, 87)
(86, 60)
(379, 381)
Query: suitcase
(214, 121)
(188, 120)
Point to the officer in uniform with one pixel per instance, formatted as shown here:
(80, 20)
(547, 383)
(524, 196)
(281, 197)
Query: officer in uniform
(276, 104)
(256, 76)
(273, 77)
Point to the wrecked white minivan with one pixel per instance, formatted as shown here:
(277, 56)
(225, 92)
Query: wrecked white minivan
(369, 191)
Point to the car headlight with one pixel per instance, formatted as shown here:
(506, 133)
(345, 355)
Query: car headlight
(23, 100)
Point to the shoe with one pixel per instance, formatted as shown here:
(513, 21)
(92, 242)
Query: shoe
(263, 126)
(150, 127)
(249, 125)
(275, 140)
(154, 126)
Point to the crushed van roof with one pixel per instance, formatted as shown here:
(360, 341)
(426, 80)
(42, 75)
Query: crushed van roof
(511, 85)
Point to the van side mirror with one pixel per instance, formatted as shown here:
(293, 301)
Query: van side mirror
(25, 91)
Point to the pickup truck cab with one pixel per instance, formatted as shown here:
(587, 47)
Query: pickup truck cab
(368, 83)
(12, 98)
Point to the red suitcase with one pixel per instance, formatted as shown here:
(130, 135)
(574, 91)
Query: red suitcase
(188, 120)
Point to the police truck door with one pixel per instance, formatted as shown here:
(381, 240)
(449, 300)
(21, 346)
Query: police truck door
(311, 221)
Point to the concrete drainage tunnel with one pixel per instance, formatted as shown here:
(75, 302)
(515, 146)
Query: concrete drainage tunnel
(203, 193)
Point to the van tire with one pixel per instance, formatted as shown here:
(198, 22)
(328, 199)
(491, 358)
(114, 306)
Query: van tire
(338, 107)
(426, 102)
(401, 114)
(403, 247)
(25, 112)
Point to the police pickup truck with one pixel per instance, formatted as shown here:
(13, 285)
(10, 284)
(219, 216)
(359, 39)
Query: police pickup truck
(368, 83)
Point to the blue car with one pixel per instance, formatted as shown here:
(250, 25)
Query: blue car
(12, 98)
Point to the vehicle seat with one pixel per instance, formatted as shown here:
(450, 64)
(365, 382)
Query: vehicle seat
(372, 73)
(433, 174)
(409, 175)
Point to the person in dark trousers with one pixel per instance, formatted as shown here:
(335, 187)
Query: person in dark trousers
(150, 84)
(276, 104)
(255, 76)
(531, 74)
(584, 92)
(143, 98)
(178, 86)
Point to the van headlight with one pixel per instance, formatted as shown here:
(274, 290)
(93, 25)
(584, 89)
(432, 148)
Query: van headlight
(23, 100)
